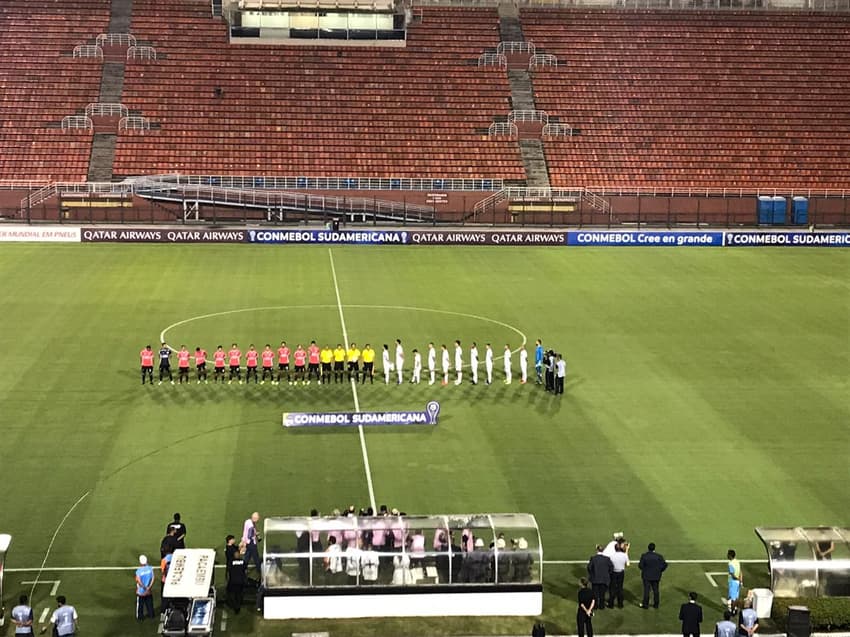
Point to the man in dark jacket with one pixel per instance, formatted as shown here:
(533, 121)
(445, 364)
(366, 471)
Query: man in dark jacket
(690, 614)
(651, 566)
(599, 570)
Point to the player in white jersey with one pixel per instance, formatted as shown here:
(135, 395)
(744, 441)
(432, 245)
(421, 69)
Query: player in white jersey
(446, 364)
(507, 364)
(458, 362)
(473, 362)
(432, 362)
(523, 365)
(385, 361)
(399, 360)
(417, 367)
(488, 363)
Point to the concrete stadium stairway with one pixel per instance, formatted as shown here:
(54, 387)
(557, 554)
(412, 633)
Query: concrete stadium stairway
(522, 98)
(111, 86)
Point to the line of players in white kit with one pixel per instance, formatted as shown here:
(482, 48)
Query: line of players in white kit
(389, 365)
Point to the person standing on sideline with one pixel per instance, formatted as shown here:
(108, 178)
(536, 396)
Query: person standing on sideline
(446, 363)
(236, 579)
(748, 621)
(417, 367)
(144, 589)
(164, 565)
(268, 364)
(473, 362)
(201, 364)
(538, 361)
(458, 363)
(399, 361)
(180, 528)
(169, 542)
(488, 363)
(651, 566)
(523, 366)
(283, 353)
(560, 374)
(386, 364)
(230, 549)
(22, 616)
(432, 363)
(599, 570)
(690, 614)
(183, 357)
(725, 628)
(251, 539)
(368, 356)
(620, 560)
(147, 363)
(219, 357)
(339, 363)
(165, 363)
(507, 364)
(734, 580)
(235, 360)
(64, 618)
(584, 614)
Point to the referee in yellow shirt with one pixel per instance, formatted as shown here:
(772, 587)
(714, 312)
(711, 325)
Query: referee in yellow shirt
(353, 362)
(339, 363)
(368, 364)
(326, 356)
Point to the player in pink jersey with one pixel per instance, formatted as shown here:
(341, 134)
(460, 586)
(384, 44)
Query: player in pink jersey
(183, 356)
(313, 362)
(300, 357)
(251, 358)
(147, 363)
(235, 360)
(201, 364)
(268, 362)
(219, 357)
(283, 362)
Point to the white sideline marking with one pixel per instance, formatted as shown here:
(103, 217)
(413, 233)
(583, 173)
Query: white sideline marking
(53, 539)
(668, 561)
(223, 620)
(72, 569)
(54, 588)
(710, 578)
(354, 389)
(43, 617)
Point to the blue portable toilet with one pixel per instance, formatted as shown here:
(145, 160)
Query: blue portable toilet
(765, 210)
(801, 211)
(780, 210)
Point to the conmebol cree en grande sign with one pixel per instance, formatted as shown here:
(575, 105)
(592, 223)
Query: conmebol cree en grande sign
(428, 416)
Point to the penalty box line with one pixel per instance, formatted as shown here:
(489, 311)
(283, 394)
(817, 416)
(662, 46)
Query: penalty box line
(353, 381)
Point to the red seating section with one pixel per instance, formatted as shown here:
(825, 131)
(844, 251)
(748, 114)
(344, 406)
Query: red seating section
(40, 83)
(316, 110)
(696, 99)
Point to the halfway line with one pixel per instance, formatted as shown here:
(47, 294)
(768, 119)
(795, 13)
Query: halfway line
(354, 389)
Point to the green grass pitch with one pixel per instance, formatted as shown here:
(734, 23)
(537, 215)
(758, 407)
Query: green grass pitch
(708, 392)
